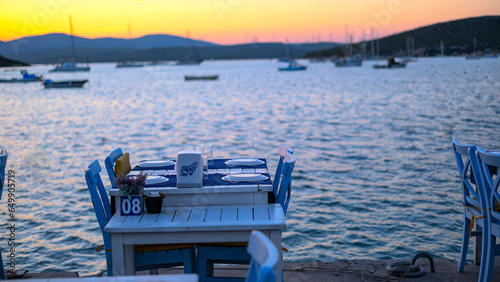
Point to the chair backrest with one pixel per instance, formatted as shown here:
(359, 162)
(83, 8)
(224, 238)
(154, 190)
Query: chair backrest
(109, 162)
(470, 196)
(98, 194)
(489, 166)
(265, 259)
(3, 164)
(282, 150)
(285, 186)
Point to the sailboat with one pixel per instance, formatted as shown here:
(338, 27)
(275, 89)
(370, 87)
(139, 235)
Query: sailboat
(70, 66)
(475, 52)
(349, 60)
(292, 64)
(191, 59)
(129, 64)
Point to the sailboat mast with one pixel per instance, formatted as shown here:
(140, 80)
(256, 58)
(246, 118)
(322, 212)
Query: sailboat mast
(130, 40)
(72, 38)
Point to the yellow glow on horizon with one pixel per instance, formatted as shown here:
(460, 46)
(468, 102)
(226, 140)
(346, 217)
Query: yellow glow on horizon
(233, 21)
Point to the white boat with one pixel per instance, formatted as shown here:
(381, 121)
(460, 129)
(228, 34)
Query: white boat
(348, 62)
(189, 62)
(475, 55)
(129, 64)
(70, 66)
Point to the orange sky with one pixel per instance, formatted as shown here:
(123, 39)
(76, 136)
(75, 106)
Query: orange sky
(233, 21)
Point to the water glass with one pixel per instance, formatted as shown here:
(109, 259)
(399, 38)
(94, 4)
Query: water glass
(209, 152)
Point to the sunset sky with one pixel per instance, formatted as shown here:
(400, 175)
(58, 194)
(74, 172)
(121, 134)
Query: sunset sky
(233, 21)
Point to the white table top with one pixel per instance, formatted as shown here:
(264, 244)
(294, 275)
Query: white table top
(201, 218)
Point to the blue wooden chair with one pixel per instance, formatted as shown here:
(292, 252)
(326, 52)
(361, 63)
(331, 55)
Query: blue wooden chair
(282, 150)
(3, 164)
(488, 166)
(264, 265)
(472, 199)
(109, 162)
(208, 255)
(147, 257)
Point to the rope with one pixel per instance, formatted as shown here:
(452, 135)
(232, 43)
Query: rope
(472, 218)
(99, 249)
(407, 269)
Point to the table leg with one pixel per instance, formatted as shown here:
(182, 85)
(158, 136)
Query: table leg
(129, 254)
(117, 254)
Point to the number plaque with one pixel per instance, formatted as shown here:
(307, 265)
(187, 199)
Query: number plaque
(131, 205)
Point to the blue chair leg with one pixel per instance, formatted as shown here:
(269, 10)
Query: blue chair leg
(2, 270)
(465, 245)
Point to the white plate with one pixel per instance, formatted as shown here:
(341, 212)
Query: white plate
(244, 162)
(245, 177)
(150, 180)
(159, 163)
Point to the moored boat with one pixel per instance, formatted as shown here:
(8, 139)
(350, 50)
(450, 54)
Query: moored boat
(293, 66)
(129, 64)
(201, 77)
(26, 78)
(69, 67)
(391, 64)
(348, 62)
(64, 83)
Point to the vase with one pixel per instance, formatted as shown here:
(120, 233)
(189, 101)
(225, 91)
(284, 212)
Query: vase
(153, 204)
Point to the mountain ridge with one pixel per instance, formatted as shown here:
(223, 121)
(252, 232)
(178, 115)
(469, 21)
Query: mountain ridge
(457, 37)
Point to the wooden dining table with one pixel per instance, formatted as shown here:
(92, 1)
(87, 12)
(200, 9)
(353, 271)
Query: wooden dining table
(191, 224)
(215, 191)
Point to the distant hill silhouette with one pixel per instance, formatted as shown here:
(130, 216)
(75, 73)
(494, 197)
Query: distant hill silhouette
(4, 62)
(457, 37)
(148, 48)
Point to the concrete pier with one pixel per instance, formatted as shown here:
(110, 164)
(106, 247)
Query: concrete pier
(339, 271)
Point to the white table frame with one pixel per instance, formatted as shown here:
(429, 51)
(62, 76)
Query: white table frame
(194, 224)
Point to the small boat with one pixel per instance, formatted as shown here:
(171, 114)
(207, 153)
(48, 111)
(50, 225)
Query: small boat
(129, 64)
(348, 62)
(64, 83)
(69, 67)
(391, 64)
(201, 77)
(475, 55)
(293, 66)
(26, 78)
(189, 62)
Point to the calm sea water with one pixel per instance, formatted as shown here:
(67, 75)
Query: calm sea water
(375, 176)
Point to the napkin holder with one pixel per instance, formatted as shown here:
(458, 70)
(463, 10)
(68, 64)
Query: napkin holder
(189, 169)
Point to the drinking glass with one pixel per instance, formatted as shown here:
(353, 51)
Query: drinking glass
(209, 152)
(202, 149)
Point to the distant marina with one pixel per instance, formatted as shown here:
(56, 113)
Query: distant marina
(375, 176)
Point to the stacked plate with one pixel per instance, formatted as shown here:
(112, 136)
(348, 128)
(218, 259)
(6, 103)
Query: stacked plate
(151, 180)
(245, 177)
(244, 162)
(159, 163)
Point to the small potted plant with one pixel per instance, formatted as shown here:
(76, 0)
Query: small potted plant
(154, 201)
(132, 189)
